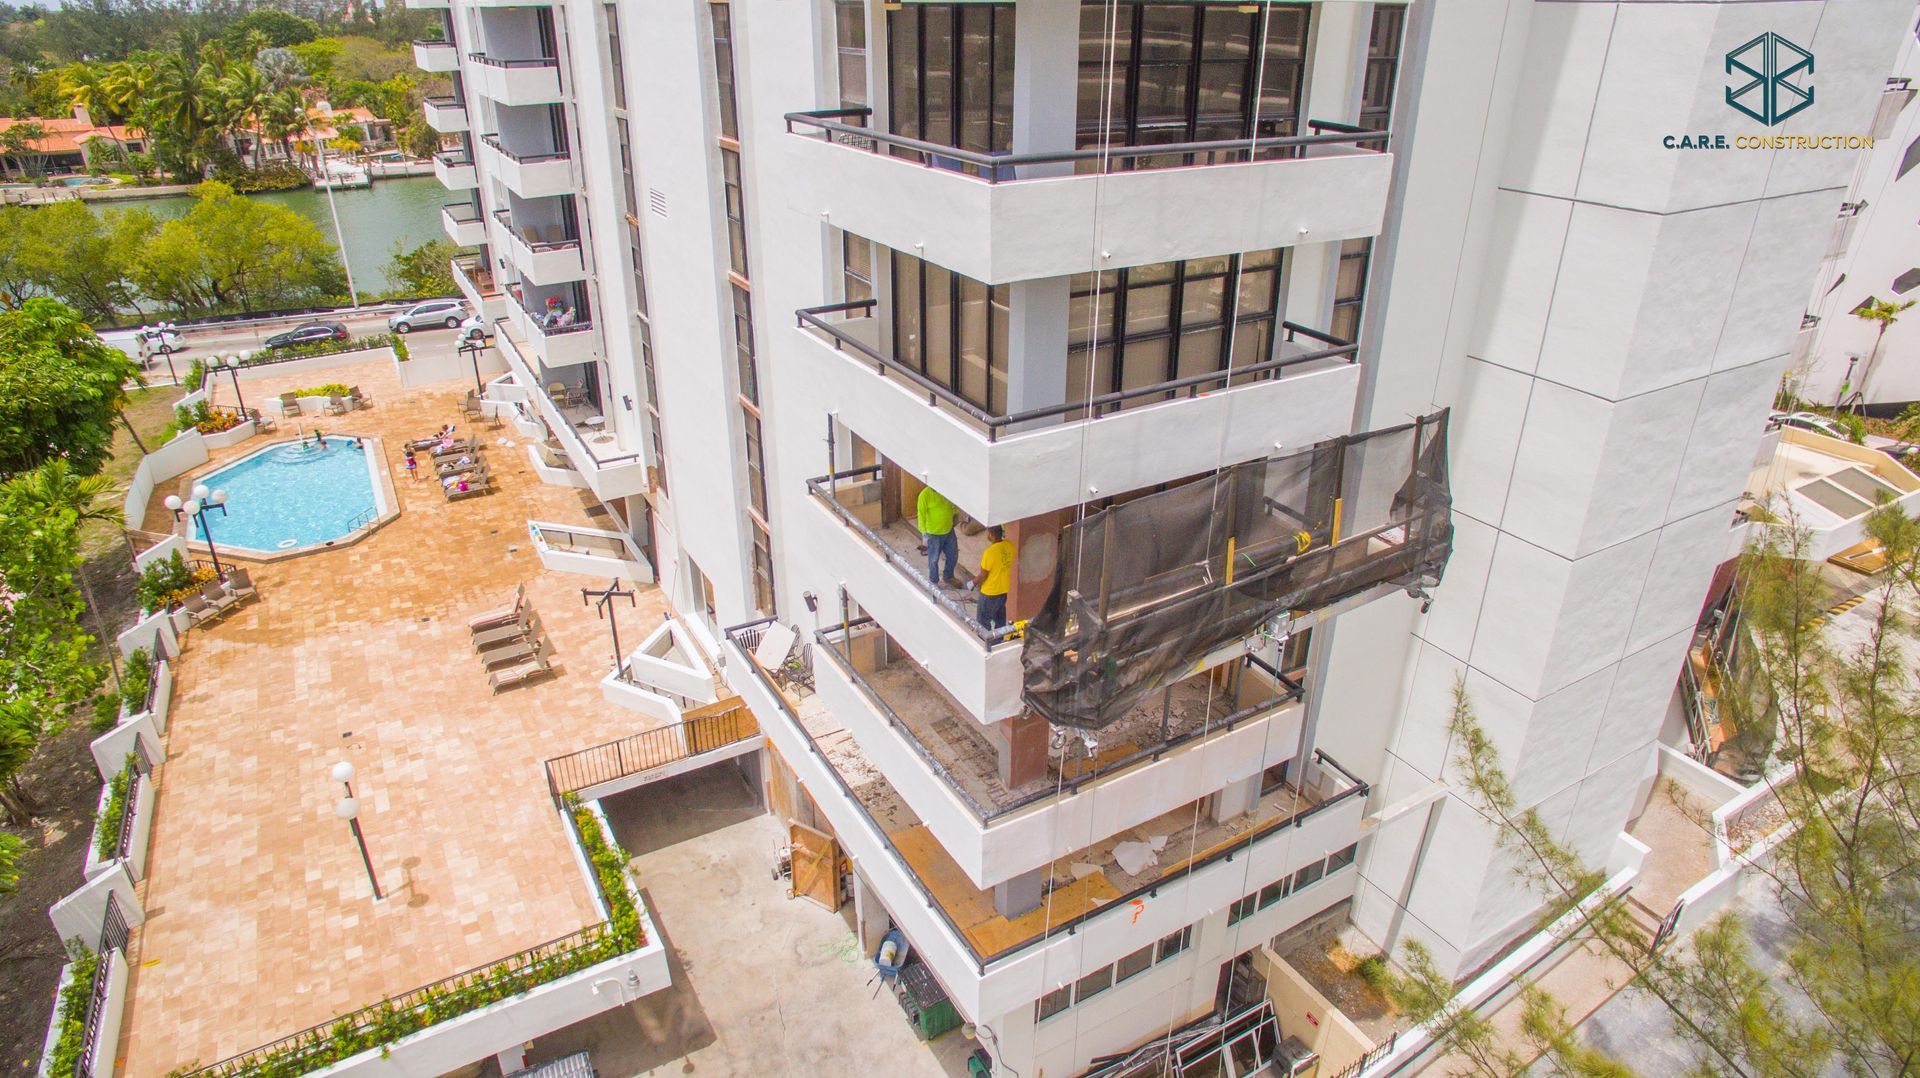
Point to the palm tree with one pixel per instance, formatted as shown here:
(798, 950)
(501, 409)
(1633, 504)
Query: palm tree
(84, 85)
(282, 116)
(182, 99)
(1883, 312)
(245, 94)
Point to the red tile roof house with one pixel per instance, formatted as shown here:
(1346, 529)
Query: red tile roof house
(68, 143)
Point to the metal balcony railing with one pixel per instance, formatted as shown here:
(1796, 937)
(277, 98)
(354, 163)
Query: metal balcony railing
(484, 60)
(832, 126)
(493, 140)
(505, 217)
(1094, 407)
(649, 749)
(113, 940)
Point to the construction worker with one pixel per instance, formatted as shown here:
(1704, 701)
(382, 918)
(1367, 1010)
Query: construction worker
(934, 516)
(994, 580)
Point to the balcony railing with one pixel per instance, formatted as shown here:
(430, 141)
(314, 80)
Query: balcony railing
(535, 321)
(113, 940)
(505, 217)
(1265, 831)
(523, 158)
(826, 489)
(832, 126)
(1094, 407)
(648, 749)
(485, 60)
(1218, 721)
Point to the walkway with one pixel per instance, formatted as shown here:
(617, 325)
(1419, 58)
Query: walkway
(260, 921)
(762, 984)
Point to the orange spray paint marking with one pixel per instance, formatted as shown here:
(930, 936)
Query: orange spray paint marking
(1139, 907)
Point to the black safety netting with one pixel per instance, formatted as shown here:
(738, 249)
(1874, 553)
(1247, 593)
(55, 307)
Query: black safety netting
(1147, 587)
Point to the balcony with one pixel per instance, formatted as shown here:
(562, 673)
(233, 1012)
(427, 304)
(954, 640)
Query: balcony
(542, 254)
(598, 552)
(428, 5)
(447, 115)
(1001, 215)
(477, 284)
(1005, 467)
(1294, 850)
(436, 56)
(529, 175)
(1231, 723)
(463, 224)
(455, 171)
(533, 81)
(576, 428)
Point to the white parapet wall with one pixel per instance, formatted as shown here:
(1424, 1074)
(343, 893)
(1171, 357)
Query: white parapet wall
(146, 631)
(110, 749)
(142, 824)
(185, 452)
(79, 915)
(422, 370)
(598, 552)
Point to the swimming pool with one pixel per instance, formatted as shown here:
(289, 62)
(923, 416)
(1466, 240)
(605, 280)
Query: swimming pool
(293, 496)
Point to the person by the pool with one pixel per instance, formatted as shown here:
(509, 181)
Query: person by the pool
(413, 466)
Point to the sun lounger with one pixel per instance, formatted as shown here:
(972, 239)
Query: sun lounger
(200, 610)
(216, 595)
(355, 399)
(510, 612)
(239, 585)
(519, 628)
(261, 420)
(466, 445)
(479, 485)
(514, 652)
(452, 465)
(289, 404)
(514, 675)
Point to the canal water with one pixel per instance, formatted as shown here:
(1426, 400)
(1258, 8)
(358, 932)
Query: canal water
(403, 210)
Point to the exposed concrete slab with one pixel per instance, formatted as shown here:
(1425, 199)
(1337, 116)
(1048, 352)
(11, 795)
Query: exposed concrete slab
(762, 984)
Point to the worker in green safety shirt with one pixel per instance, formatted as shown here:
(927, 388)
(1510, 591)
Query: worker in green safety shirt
(935, 519)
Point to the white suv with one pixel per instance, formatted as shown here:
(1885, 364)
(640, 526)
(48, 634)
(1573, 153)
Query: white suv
(434, 312)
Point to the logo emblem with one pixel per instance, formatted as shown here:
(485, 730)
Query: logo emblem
(1769, 62)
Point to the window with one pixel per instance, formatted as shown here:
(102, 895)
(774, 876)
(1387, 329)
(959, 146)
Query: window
(763, 598)
(1383, 66)
(705, 588)
(723, 69)
(1053, 1003)
(743, 345)
(1309, 875)
(736, 201)
(1293, 657)
(950, 71)
(952, 329)
(613, 51)
(850, 32)
(1093, 984)
(1273, 892)
(856, 261)
(1160, 73)
(1137, 962)
(1242, 909)
(1342, 858)
(1906, 282)
(1350, 288)
(1174, 944)
(1146, 325)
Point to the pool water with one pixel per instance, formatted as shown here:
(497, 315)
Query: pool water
(293, 495)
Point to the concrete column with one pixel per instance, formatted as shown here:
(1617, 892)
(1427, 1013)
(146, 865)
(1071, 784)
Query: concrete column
(1046, 77)
(1336, 62)
(1308, 290)
(1022, 749)
(1236, 798)
(1037, 341)
(511, 1060)
(1036, 547)
(1019, 895)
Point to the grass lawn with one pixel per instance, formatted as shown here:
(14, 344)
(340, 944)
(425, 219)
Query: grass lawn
(150, 411)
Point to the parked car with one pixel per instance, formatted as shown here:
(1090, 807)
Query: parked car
(434, 312)
(308, 333)
(1812, 421)
(160, 340)
(476, 329)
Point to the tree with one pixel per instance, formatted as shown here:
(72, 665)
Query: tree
(21, 142)
(61, 389)
(421, 140)
(424, 271)
(1883, 313)
(246, 92)
(43, 649)
(232, 253)
(280, 67)
(279, 28)
(70, 254)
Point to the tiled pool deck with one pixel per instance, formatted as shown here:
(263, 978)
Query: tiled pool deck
(260, 923)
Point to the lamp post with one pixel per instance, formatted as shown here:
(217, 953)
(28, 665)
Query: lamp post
(348, 809)
(232, 364)
(197, 507)
(326, 178)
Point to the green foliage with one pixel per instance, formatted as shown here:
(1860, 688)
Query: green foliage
(201, 417)
(401, 350)
(136, 676)
(331, 389)
(65, 251)
(106, 830)
(1856, 427)
(279, 176)
(165, 583)
(322, 348)
(232, 253)
(1373, 970)
(424, 272)
(61, 389)
(74, 999)
(609, 863)
(276, 29)
(196, 375)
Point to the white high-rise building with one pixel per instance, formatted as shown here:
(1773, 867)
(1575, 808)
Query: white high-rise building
(765, 270)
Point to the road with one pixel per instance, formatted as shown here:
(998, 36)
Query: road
(203, 343)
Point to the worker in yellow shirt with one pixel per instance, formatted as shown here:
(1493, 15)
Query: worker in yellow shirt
(995, 579)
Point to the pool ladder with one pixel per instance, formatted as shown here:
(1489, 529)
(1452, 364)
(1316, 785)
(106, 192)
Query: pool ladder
(365, 519)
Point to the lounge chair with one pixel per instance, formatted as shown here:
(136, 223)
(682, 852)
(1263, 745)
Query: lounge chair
(510, 612)
(513, 652)
(527, 623)
(289, 404)
(514, 675)
(464, 445)
(337, 406)
(475, 462)
(215, 594)
(470, 406)
(478, 485)
(356, 400)
(261, 420)
(199, 610)
(239, 584)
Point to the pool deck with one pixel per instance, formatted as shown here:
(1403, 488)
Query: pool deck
(260, 922)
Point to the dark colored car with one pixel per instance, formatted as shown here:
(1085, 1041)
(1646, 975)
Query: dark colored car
(308, 333)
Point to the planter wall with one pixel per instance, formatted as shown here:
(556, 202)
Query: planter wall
(426, 370)
(187, 450)
(227, 438)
